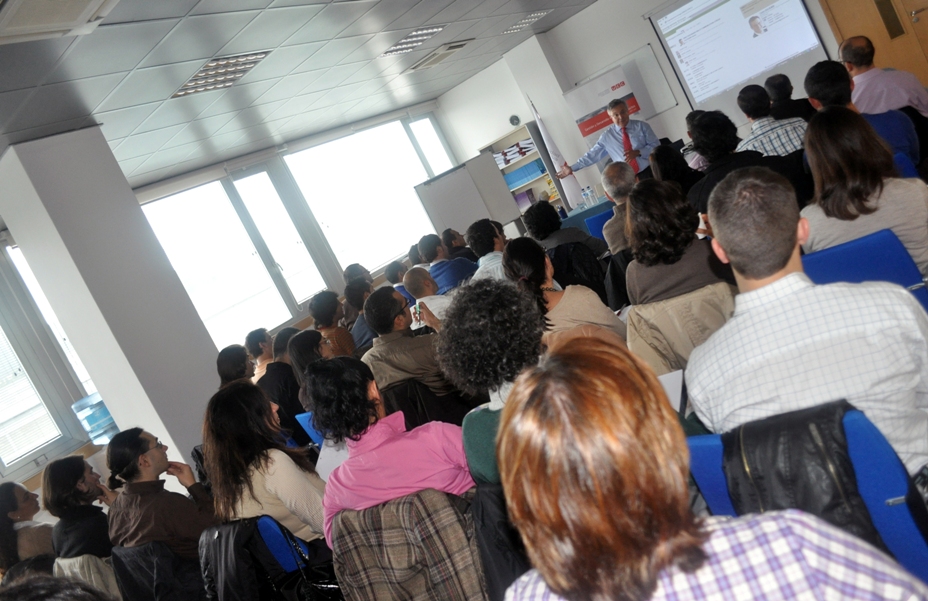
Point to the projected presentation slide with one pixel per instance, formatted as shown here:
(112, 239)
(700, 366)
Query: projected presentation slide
(719, 44)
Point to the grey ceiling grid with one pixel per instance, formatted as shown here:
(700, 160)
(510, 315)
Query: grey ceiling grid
(323, 72)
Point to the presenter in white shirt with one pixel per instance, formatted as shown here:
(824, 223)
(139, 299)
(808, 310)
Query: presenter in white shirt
(626, 140)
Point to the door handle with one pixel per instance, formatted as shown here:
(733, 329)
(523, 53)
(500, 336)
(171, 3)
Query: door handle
(915, 12)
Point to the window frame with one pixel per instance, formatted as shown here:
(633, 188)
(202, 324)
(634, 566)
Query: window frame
(45, 363)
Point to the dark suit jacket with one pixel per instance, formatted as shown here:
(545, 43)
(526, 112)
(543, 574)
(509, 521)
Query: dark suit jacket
(279, 383)
(792, 108)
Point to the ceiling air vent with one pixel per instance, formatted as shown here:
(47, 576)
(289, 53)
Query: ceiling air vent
(438, 55)
(25, 20)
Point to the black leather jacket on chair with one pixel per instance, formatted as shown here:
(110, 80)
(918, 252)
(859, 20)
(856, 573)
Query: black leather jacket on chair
(798, 460)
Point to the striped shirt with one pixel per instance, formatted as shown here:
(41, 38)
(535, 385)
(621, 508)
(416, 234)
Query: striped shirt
(772, 556)
(774, 138)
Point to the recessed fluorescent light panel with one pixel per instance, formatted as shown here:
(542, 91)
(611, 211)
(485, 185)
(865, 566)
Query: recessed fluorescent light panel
(412, 41)
(220, 72)
(526, 22)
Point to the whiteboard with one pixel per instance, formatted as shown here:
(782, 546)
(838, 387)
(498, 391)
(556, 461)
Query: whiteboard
(646, 80)
(472, 191)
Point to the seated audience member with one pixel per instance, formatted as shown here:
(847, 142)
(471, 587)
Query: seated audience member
(415, 259)
(144, 512)
(856, 191)
(282, 388)
(349, 313)
(260, 346)
(303, 349)
(828, 84)
(618, 179)
(769, 136)
(397, 355)
(394, 272)
(456, 246)
(529, 267)
(252, 471)
(20, 536)
(449, 273)
(595, 465)
(384, 461)
(326, 312)
(669, 259)
(879, 90)
(487, 242)
(29, 569)
(356, 292)
(693, 159)
(792, 344)
(425, 290)
(782, 104)
(489, 335)
(49, 588)
(672, 167)
(544, 225)
(69, 489)
(716, 138)
(234, 363)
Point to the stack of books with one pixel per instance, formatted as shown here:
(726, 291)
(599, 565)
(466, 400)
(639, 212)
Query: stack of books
(514, 152)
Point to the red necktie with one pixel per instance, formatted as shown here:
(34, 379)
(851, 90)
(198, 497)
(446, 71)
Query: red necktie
(626, 141)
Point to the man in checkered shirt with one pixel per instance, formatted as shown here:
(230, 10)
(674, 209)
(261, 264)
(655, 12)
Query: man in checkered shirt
(791, 344)
(769, 136)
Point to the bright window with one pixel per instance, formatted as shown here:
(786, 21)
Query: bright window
(217, 263)
(278, 232)
(361, 191)
(431, 145)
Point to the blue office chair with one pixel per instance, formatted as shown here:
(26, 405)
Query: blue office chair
(878, 257)
(595, 223)
(306, 421)
(882, 481)
(278, 544)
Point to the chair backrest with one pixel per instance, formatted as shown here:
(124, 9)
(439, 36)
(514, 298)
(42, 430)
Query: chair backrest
(306, 422)
(595, 224)
(278, 544)
(884, 485)
(152, 572)
(706, 467)
(878, 257)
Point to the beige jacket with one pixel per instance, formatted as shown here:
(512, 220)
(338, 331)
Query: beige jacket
(664, 333)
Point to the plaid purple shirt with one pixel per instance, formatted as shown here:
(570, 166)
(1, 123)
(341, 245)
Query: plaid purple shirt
(777, 555)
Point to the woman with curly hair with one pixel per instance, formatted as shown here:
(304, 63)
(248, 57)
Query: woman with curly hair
(490, 333)
(526, 264)
(251, 470)
(595, 467)
(326, 312)
(857, 189)
(385, 462)
(20, 536)
(669, 259)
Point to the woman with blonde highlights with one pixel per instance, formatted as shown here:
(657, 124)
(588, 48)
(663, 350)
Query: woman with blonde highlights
(594, 466)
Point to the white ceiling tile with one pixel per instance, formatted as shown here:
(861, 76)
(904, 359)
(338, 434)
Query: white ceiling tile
(200, 37)
(336, 50)
(485, 9)
(333, 77)
(122, 122)
(27, 64)
(43, 131)
(270, 29)
(282, 61)
(375, 46)
(9, 102)
(198, 130)
(221, 6)
(178, 110)
(419, 14)
(147, 143)
(64, 101)
(379, 17)
(148, 85)
(331, 21)
(288, 87)
(241, 95)
(148, 10)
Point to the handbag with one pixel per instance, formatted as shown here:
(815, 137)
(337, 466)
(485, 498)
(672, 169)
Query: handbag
(314, 581)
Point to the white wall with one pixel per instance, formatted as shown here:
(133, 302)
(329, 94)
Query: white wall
(477, 111)
(547, 65)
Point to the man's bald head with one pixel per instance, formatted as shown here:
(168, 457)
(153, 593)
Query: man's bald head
(618, 180)
(858, 51)
(419, 283)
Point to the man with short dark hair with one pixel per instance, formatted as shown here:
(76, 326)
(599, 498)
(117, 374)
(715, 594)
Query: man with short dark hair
(782, 103)
(878, 90)
(356, 292)
(260, 346)
(279, 383)
(618, 180)
(544, 225)
(394, 272)
(456, 246)
(449, 273)
(828, 84)
(487, 242)
(769, 136)
(397, 355)
(626, 140)
(792, 344)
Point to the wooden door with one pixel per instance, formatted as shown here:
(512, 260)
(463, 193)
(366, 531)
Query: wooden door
(905, 50)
